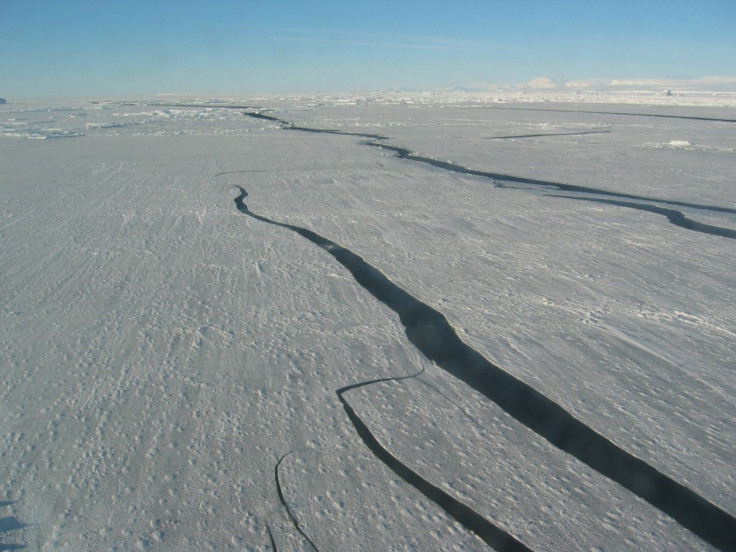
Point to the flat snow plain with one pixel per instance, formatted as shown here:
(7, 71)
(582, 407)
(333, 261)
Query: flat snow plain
(170, 359)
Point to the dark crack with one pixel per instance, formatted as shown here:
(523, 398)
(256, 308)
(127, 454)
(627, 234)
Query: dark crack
(675, 217)
(433, 336)
(376, 140)
(288, 125)
(404, 153)
(285, 504)
(199, 105)
(619, 113)
(470, 519)
(545, 135)
(467, 414)
(9, 524)
(271, 539)
(263, 116)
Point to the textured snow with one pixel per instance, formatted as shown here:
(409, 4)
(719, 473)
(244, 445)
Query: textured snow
(161, 352)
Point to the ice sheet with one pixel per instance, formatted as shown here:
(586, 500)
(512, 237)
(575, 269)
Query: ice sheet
(161, 351)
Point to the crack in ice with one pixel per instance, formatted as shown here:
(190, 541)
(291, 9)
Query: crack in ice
(470, 519)
(270, 538)
(285, 504)
(405, 153)
(620, 113)
(675, 217)
(430, 332)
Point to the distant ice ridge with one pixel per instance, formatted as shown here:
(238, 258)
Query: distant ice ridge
(686, 145)
(82, 118)
(708, 91)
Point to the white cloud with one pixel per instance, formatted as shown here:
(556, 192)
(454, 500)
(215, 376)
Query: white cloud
(541, 82)
(653, 85)
(704, 84)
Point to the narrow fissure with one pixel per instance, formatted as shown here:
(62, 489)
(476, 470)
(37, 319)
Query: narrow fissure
(285, 504)
(271, 539)
(470, 519)
(404, 153)
(675, 217)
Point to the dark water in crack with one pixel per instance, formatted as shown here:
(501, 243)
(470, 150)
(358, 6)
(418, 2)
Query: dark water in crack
(431, 333)
(545, 135)
(259, 115)
(470, 519)
(271, 539)
(675, 217)
(285, 504)
(619, 114)
(404, 153)
(288, 125)
(8, 547)
(8, 524)
(11, 523)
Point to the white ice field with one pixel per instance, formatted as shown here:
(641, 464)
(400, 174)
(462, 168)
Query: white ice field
(171, 350)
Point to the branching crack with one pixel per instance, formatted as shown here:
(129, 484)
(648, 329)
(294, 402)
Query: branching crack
(433, 336)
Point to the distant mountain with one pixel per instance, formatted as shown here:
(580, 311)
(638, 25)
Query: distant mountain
(3, 101)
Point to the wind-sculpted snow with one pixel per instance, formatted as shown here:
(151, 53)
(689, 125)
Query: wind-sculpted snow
(160, 350)
(430, 332)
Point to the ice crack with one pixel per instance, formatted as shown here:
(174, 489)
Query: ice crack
(432, 335)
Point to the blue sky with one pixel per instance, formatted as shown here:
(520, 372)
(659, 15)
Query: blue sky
(84, 48)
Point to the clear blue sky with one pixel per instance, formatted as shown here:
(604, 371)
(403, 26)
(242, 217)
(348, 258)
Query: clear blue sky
(75, 47)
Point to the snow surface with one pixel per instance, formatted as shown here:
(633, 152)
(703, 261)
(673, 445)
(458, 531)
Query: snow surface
(170, 365)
